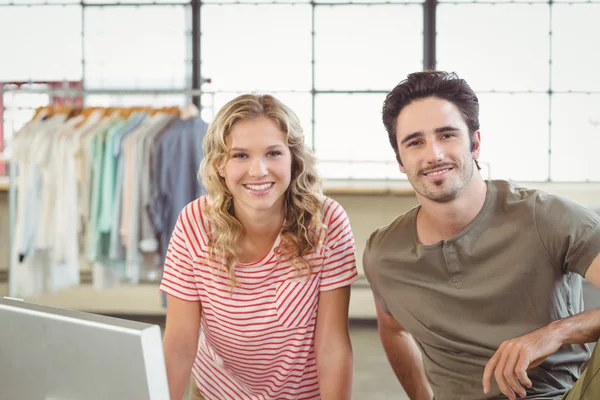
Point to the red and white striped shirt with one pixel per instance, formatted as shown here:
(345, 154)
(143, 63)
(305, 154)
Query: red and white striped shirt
(257, 342)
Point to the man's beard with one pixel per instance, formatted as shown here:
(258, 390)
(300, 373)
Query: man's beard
(455, 185)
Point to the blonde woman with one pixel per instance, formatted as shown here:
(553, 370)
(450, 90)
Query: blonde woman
(263, 264)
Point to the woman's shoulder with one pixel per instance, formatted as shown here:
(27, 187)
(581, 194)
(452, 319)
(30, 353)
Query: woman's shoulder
(193, 215)
(332, 211)
(198, 204)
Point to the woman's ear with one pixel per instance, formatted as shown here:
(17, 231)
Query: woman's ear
(221, 167)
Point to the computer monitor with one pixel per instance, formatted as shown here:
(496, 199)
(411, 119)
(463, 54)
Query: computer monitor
(48, 353)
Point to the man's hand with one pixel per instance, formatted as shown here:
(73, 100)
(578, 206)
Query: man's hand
(514, 357)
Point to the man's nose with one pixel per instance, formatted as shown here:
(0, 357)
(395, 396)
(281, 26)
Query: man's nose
(435, 153)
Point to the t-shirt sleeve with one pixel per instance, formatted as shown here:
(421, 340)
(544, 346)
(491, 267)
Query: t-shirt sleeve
(178, 275)
(570, 233)
(368, 261)
(339, 265)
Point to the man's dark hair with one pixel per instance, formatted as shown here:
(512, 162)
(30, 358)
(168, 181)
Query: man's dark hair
(440, 84)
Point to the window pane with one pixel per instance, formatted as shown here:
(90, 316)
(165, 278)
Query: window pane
(17, 2)
(370, 1)
(367, 47)
(36, 47)
(473, 40)
(575, 137)
(134, 1)
(351, 141)
(576, 1)
(493, 1)
(135, 47)
(575, 57)
(514, 135)
(28, 2)
(300, 103)
(266, 47)
(255, 1)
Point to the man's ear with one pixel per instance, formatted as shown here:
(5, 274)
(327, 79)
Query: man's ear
(476, 145)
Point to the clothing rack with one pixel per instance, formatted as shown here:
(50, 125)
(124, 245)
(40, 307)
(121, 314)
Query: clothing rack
(67, 92)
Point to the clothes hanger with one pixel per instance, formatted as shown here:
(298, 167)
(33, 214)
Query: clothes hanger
(190, 111)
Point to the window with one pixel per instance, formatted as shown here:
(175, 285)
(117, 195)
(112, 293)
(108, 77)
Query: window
(514, 135)
(333, 62)
(36, 46)
(256, 48)
(546, 55)
(575, 57)
(350, 139)
(154, 57)
(473, 40)
(575, 137)
(367, 48)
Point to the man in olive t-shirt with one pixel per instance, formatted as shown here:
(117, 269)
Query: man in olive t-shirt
(478, 289)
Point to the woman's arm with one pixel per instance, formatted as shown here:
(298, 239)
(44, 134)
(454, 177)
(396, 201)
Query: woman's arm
(332, 345)
(180, 342)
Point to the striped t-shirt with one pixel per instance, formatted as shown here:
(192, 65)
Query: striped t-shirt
(257, 342)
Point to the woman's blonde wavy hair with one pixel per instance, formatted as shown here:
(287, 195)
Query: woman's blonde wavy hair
(302, 230)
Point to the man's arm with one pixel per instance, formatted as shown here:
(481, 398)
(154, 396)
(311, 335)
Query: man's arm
(404, 356)
(514, 357)
(583, 327)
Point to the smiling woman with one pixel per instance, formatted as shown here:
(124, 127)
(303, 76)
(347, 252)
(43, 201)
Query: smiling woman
(263, 264)
(259, 141)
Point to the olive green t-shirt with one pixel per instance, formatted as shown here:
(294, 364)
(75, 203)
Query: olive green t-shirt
(517, 267)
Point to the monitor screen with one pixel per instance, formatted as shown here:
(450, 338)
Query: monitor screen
(49, 353)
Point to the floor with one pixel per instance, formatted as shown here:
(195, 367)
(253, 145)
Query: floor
(373, 376)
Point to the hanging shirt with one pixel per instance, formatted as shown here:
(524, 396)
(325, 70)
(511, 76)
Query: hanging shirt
(38, 184)
(29, 183)
(131, 233)
(175, 178)
(96, 147)
(116, 249)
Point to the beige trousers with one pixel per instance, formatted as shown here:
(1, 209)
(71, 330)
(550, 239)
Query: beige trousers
(588, 385)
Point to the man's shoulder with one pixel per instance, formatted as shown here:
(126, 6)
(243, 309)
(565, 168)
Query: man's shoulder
(512, 191)
(389, 242)
(539, 200)
(402, 227)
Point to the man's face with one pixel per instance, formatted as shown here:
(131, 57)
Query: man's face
(433, 141)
